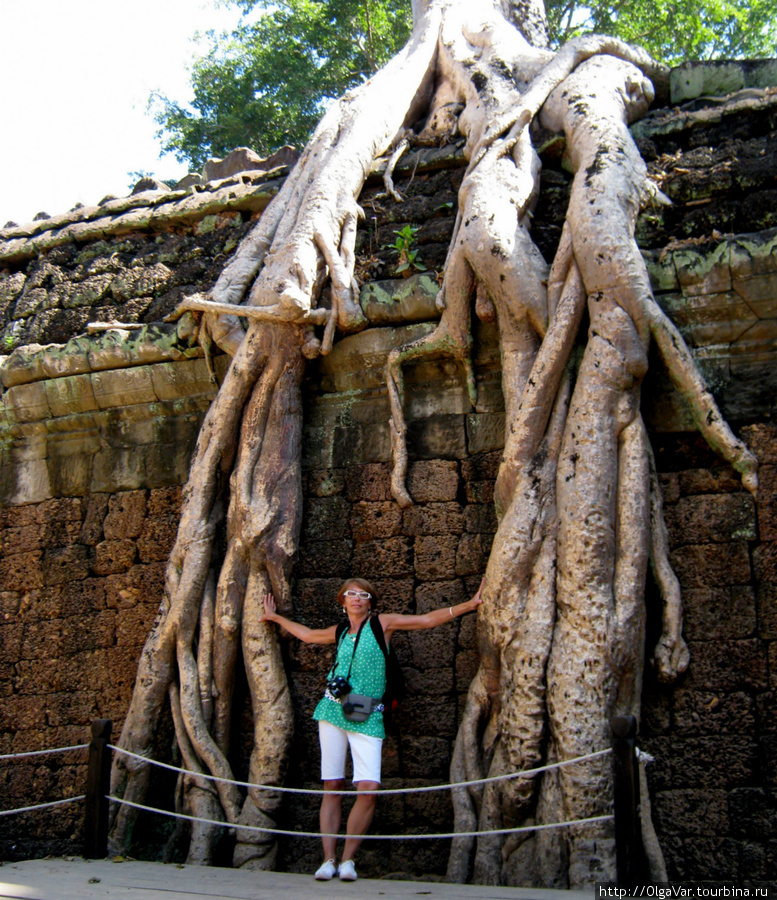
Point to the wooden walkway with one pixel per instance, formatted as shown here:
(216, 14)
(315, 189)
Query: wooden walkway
(78, 879)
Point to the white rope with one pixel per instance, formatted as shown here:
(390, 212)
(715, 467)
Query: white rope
(381, 837)
(23, 809)
(42, 752)
(416, 790)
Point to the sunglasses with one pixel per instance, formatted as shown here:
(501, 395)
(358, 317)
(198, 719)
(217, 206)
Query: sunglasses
(362, 595)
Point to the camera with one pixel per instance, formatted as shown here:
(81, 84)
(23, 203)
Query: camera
(339, 687)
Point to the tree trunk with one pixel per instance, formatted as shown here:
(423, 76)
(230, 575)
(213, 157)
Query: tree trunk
(578, 505)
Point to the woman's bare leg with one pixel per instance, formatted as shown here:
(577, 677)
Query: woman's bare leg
(361, 815)
(331, 816)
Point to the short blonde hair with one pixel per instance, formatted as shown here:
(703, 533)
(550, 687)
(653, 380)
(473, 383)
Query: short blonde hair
(363, 585)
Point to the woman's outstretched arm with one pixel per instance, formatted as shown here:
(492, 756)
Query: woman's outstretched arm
(305, 634)
(392, 622)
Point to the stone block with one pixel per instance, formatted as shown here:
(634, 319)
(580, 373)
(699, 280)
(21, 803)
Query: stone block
(472, 554)
(435, 557)
(715, 480)
(772, 651)
(709, 319)
(439, 594)
(375, 520)
(41, 605)
(138, 585)
(370, 482)
(713, 712)
(767, 503)
(765, 563)
(467, 663)
(433, 518)
(22, 540)
(392, 557)
(401, 300)
(766, 599)
(485, 431)
(117, 469)
(662, 271)
(359, 444)
(326, 518)
(62, 565)
(480, 518)
(426, 757)
(438, 437)
(429, 715)
(126, 515)
(22, 571)
(82, 597)
(133, 625)
(719, 77)
(766, 705)
(760, 294)
(725, 613)
(712, 565)
(703, 270)
(157, 538)
(70, 395)
(324, 482)
(173, 380)
(70, 463)
(92, 528)
(25, 482)
(433, 480)
(714, 761)
(332, 559)
(123, 387)
(728, 666)
(428, 681)
(693, 811)
(314, 601)
(753, 812)
(168, 464)
(27, 403)
(111, 556)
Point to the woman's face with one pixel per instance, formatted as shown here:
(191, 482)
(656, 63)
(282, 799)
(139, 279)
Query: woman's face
(356, 606)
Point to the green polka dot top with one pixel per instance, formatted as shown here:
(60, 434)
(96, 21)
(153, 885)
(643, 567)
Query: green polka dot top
(368, 676)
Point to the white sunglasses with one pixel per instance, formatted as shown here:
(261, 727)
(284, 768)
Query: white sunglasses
(362, 595)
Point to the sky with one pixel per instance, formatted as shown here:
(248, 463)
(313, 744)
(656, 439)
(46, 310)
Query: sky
(77, 75)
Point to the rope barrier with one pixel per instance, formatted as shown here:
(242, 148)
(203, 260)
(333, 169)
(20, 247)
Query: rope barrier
(23, 809)
(374, 837)
(28, 753)
(525, 773)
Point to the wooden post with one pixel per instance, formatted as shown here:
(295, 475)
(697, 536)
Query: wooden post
(629, 853)
(98, 781)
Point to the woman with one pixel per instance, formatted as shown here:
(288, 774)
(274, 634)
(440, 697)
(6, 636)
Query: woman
(360, 661)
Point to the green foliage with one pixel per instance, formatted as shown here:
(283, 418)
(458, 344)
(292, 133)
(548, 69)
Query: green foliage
(407, 256)
(267, 83)
(673, 31)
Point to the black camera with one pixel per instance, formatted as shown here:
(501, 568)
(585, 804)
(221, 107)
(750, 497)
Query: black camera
(339, 687)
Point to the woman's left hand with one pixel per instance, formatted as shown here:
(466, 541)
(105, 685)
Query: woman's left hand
(269, 608)
(477, 599)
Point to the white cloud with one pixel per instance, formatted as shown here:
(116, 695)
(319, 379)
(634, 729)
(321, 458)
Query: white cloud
(77, 76)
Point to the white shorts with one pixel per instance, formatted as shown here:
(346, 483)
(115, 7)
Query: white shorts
(365, 753)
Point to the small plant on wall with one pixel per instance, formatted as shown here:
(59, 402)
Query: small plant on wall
(408, 260)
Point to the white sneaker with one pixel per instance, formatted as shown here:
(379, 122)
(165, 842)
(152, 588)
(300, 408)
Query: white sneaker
(347, 870)
(326, 871)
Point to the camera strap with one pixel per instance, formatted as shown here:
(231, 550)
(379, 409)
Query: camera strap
(355, 645)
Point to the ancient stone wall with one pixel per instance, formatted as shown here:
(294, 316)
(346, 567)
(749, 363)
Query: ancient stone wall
(96, 433)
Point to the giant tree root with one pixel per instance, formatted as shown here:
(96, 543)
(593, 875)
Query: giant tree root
(579, 513)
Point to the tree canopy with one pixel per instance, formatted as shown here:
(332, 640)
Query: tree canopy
(267, 82)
